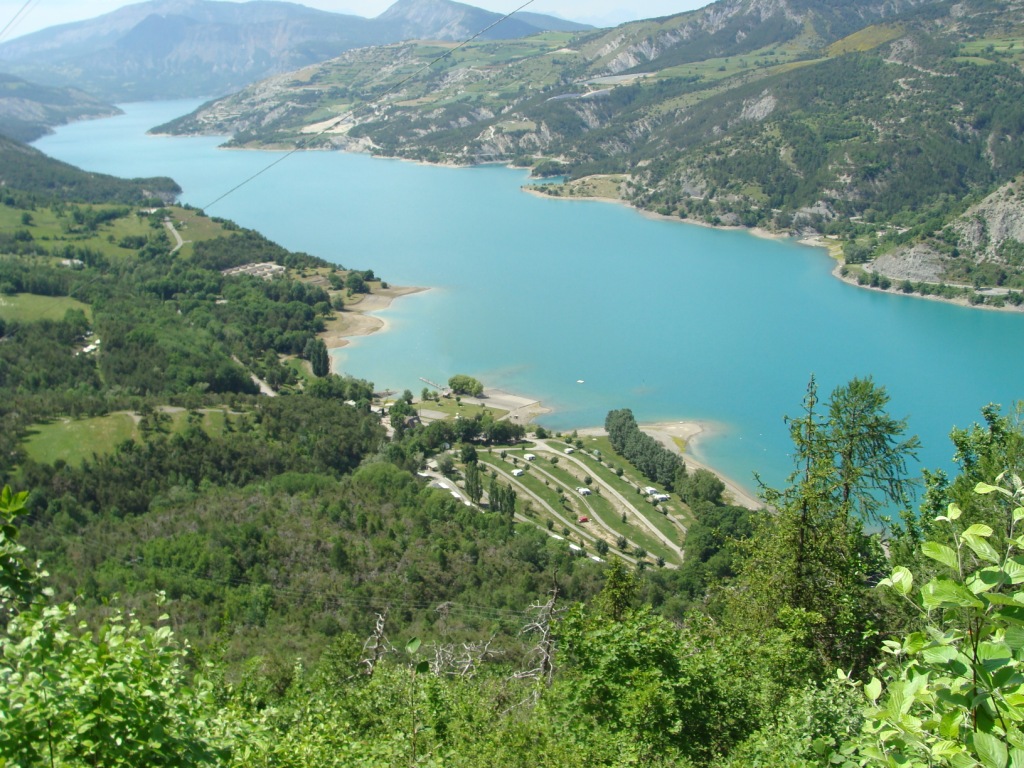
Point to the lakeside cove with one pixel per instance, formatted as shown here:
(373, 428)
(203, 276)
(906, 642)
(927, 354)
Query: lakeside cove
(674, 322)
(682, 437)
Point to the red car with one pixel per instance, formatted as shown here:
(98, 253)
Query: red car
(584, 519)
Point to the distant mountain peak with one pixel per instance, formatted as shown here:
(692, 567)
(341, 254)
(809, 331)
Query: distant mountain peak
(450, 20)
(187, 48)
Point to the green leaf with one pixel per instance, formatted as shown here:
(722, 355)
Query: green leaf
(902, 580)
(998, 599)
(1011, 613)
(985, 579)
(938, 655)
(873, 689)
(423, 667)
(979, 529)
(945, 593)
(412, 646)
(941, 553)
(1018, 514)
(1014, 569)
(981, 548)
(963, 760)
(984, 488)
(991, 751)
(1015, 639)
(914, 642)
(994, 655)
(953, 512)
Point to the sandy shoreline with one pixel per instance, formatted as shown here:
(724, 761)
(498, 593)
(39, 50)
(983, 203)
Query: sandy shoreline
(668, 433)
(359, 319)
(689, 433)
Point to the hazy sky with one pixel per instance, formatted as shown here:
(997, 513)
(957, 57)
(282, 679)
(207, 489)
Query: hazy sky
(38, 14)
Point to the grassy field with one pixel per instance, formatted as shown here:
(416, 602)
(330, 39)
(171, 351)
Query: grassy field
(301, 368)
(607, 187)
(451, 409)
(73, 441)
(631, 480)
(55, 228)
(993, 47)
(569, 475)
(27, 307)
(194, 228)
(866, 39)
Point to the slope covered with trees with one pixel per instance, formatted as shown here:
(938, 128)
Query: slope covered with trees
(28, 176)
(28, 111)
(927, 676)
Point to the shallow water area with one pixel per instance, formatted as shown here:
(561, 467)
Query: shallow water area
(533, 295)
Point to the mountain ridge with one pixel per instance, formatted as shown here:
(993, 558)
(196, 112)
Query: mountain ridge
(189, 48)
(28, 111)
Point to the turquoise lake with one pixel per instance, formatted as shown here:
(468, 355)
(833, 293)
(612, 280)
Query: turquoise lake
(530, 295)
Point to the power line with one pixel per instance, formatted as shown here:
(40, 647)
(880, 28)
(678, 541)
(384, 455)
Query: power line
(348, 115)
(19, 16)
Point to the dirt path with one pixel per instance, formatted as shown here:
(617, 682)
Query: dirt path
(521, 410)
(265, 389)
(174, 233)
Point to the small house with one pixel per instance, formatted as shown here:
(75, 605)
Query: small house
(529, 457)
(517, 473)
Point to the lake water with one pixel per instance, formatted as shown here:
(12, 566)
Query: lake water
(531, 294)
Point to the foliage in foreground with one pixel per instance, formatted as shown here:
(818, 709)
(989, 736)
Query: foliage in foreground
(952, 693)
(746, 678)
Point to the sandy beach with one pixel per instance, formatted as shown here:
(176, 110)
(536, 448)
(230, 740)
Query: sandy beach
(682, 437)
(671, 433)
(358, 318)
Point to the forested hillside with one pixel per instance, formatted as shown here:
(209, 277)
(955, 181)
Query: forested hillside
(877, 124)
(27, 176)
(28, 111)
(746, 676)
